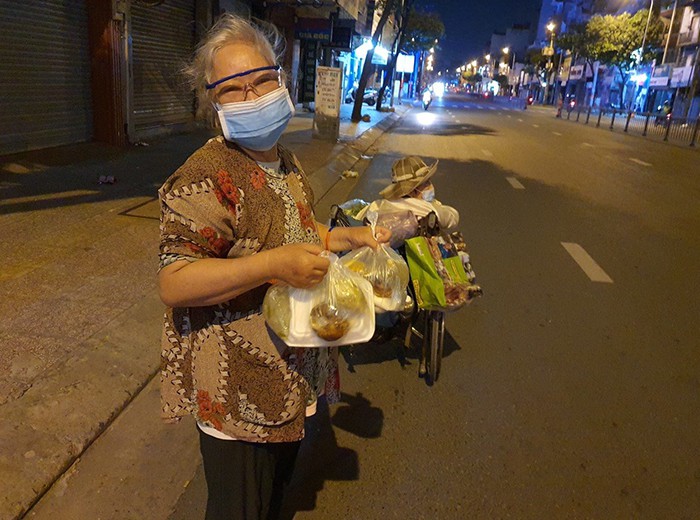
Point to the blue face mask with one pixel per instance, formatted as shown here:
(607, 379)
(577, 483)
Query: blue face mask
(259, 123)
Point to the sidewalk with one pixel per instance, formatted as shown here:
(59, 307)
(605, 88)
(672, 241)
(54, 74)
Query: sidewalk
(80, 319)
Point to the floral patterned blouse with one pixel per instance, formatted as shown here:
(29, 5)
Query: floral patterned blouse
(221, 363)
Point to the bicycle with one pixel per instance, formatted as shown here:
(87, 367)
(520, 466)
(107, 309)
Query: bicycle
(429, 326)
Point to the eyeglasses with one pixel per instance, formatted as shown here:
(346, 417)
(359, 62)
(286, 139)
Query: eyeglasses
(263, 81)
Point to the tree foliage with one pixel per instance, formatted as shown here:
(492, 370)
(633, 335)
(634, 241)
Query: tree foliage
(424, 27)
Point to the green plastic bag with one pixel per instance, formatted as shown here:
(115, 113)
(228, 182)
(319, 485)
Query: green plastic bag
(437, 273)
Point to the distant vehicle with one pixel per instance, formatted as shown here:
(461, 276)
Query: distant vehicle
(427, 99)
(370, 96)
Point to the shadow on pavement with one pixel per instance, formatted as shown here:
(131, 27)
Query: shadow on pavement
(69, 175)
(392, 350)
(320, 457)
(445, 129)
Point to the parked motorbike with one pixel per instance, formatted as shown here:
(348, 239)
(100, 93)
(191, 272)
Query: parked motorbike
(427, 99)
(370, 97)
(571, 104)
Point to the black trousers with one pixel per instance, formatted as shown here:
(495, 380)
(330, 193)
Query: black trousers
(246, 480)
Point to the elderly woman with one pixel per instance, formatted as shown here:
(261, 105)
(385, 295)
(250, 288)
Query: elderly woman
(236, 216)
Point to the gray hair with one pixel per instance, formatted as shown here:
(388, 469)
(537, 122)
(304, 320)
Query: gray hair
(228, 29)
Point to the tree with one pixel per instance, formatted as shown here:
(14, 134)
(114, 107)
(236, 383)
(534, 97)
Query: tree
(472, 78)
(424, 28)
(615, 41)
(388, 7)
(399, 39)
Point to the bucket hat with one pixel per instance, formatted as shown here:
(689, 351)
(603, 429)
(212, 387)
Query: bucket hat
(407, 174)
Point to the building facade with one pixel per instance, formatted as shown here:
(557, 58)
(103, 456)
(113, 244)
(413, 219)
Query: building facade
(83, 70)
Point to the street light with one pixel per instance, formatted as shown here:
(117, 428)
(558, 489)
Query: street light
(550, 52)
(506, 51)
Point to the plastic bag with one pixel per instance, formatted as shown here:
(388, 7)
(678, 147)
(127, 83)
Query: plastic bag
(385, 270)
(438, 276)
(402, 224)
(276, 309)
(352, 207)
(337, 311)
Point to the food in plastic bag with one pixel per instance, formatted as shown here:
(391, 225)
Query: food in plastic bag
(337, 311)
(328, 322)
(276, 309)
(353, 206)
(385, 270)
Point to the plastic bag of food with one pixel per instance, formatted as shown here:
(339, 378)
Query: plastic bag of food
(276, 309)
(385, 270)
(438, 273)
(353, 207)
(337, 311)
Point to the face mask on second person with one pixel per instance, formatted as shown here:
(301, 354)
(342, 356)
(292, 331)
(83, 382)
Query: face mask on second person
(428, 193)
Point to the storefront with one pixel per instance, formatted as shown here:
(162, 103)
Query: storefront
(162, 39)
(45, 70)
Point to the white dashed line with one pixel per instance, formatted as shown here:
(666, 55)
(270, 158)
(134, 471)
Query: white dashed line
(515, 183)
(557, 133)
(585, 262)
(536, 126)
(509, 116)
(589, 145)
(520, 120)
(487, 153)
(641, 163)
(458, 121)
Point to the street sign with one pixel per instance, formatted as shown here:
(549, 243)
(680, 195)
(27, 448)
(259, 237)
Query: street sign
(327, 108)
(548, 51)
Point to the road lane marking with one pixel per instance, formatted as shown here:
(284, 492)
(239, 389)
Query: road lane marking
(487, 153)
(642, 163)
(509, 116)
(587, 144)
(458, 121)
(536, 126)
(585, 262)
(515, 183)
(520, 120)
(557, 133)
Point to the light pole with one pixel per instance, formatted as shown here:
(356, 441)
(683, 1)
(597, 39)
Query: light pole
(506, 51)
(550, 52)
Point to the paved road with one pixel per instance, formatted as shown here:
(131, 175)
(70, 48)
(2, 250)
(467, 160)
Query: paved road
(571, 390)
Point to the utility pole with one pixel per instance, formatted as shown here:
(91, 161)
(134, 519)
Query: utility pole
(550, 53)
(670, 31)
(646, 30)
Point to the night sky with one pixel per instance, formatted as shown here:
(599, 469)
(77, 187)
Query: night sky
(469, 24)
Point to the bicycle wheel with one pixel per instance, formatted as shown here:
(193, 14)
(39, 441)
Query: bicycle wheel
(436, 333)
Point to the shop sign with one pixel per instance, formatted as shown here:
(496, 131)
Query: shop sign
(327, 103)
(660, 76)
(316, 29)
(405, 63)
(576, 72)
(681, 76)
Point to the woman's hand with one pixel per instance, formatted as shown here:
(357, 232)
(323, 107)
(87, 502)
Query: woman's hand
(349, 238)
(298, 265)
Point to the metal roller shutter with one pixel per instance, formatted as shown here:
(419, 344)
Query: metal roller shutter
(44, 75)
(163, 38)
